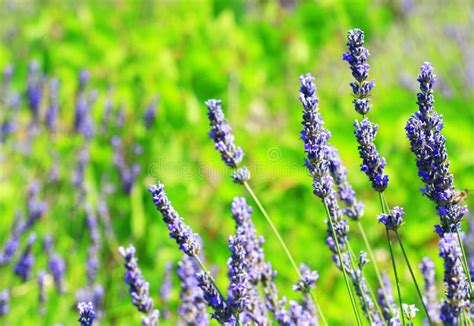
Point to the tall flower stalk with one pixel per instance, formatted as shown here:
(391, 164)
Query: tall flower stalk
(189, 243)
(221, 134)
(423, 130)
(315, 138)
(365, 131)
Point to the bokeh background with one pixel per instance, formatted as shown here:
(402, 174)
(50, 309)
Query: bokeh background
(250, 54)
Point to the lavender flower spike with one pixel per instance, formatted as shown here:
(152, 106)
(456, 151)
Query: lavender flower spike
(458, 291)
(365, 131)
(187, 241)
(192, 308)
(138, 286)
(427, 269)
(52, 113)
(222, 313)
(25, 262)
(315, 138)
(34, 90)
(86, 310)
(423, 130)
(165, 290)
(56, 264)
(394, 219)
(238, 298)
(221, 133)
(4, 300)
(357, 56)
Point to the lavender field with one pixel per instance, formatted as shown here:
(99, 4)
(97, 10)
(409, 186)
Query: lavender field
(244, 162)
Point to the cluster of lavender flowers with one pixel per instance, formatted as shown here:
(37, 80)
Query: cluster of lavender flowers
(423, 130)
(251, 296)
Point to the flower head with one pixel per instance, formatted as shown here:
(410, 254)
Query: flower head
(394, 219)
(138, 286)
(86, 310)
(423, 130)
(457, 287)
(187, 241)
(25, 262)
(221, 133)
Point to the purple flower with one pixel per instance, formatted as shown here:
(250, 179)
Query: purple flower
(56, 264)
(427, 269)
(138, 286)
(86, 310)
(187, 241)
(394, 219)
(150, 113)
(308, 281)
(458, 291)
(354, 208)
(423, 130)
(238, 298)
(4, 300)
(42, 293)
(52, 113)
(25, 262)
(254, 259)
(213, 298)
(34, 90)
(269, 288)
(365, 131)
(221, 133)
(315, 138)
(128, 174)
(93, 263)
(13, 242)
(357, 56)
(165, 290)
(389, 306)
(82, 118)
(192, 308)
(372, 164)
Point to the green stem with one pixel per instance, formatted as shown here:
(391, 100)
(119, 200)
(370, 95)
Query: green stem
(392, 256)
(413, 276)
(376, 269)
(464, 261)
(396, 275)
(343, 268)
(285, 248)
(353, 259)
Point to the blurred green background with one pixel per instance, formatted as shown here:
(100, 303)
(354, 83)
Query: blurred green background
(250, 54)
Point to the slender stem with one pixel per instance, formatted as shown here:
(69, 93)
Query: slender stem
(464, 260)
(343, 267)
(376, 269)
(394, 265)
(353, 258)
(396, 275)
(413, 276)
(285, 248)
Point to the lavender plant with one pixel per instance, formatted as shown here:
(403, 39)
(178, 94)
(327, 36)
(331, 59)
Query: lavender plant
(315, 138)
(138, 287)
(365, 132)
(56, 264)
(231, 155)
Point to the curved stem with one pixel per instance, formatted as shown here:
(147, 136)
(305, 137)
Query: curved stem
(285, 248)
(343, 268)
(376, 269)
